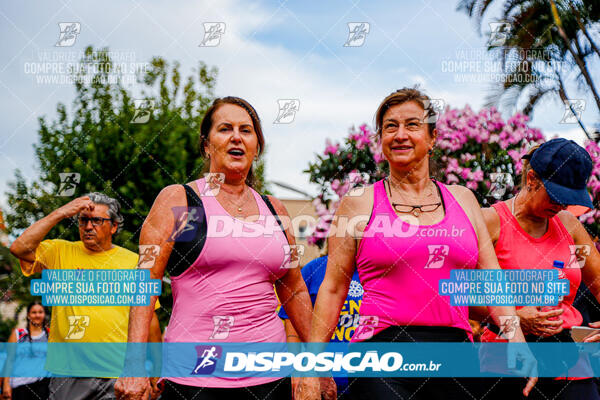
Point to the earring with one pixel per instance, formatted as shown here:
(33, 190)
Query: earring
(430, 152)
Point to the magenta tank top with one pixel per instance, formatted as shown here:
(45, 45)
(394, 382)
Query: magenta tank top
(227, 294)
(400, 265)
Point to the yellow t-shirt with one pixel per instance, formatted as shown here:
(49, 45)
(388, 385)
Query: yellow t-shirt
(86, 324)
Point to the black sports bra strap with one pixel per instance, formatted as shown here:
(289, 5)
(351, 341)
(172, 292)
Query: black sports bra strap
(192, 198)
(272, 209)
(184, 253)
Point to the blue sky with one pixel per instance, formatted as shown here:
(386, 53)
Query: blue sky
(269, 51)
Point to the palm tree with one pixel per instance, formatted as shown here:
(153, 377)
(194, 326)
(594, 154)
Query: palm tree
(548, 40)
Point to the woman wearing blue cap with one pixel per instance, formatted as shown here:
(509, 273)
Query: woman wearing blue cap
(533, 231)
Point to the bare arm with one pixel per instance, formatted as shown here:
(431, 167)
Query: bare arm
(155, 231)
(340, 268)
(10, 358)
(590, 273)
(24, 246)
(492, 222)
(291, 288)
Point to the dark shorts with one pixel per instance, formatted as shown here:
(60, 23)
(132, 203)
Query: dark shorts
(82, 389)
(415, 388)
(277, 390)
(36, 390)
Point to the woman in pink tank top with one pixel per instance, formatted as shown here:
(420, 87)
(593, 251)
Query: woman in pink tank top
(532, 231)
(416, 231)
(218, 240)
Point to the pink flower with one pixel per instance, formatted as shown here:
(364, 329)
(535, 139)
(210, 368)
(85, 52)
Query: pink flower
(331, 148)
(466, 173)
(451, 179)
(472, 185)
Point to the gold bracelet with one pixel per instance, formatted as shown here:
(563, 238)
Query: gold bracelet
(294, 336)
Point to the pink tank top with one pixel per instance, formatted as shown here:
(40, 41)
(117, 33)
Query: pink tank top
(400, 266)
(227, 294)
(516, 249)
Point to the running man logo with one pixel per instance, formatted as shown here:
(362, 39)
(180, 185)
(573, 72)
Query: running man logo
(433, 109)
(508, 326)
(292, 255)
(212, 183)
(68, 183)
(499, 32)
(222, 326)
(143, 110)
(501, 182)
(366, 327)
(212, 34)
(68, 33)
(573, 111)
(148, 254)
(77, 325)
(287, 111)
(579, 253)
(357, 33)
(186, 224)
(207, 359)
(437, 255)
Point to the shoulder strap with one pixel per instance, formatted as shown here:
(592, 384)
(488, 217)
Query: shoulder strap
(185, 253)
(192, 198)
(272, 209)
(21, 333)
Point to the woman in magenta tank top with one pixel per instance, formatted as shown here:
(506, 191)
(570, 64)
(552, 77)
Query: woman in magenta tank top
(213, 238)
(417, 230)
(532, 230)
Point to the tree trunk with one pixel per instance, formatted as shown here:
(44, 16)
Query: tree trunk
(563, 96)
(578, 60)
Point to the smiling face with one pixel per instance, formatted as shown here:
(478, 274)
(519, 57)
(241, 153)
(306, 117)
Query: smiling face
(405, 139)
(95, 233)
(232, 142)
(36, 314)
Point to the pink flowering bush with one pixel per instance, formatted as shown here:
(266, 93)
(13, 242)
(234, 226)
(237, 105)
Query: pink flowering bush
(481, 151)
(356, 161)
(591, 219)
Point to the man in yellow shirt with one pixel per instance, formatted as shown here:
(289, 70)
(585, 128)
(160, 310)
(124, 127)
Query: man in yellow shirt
(98, 219)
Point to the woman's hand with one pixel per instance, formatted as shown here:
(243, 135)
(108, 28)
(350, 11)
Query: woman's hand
(308, 389)
(518, 350)
(536, 322)
(593, 337)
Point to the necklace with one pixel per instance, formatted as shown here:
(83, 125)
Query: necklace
(238, 206)
(414, 209)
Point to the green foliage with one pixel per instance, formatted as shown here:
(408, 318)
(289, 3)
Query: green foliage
(129, 161)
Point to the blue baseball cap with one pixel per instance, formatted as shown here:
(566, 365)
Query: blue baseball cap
(564, 167)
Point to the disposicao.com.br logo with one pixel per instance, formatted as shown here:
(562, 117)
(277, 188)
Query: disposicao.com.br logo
(323, 362)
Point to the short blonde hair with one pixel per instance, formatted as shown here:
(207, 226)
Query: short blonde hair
(527, 165)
